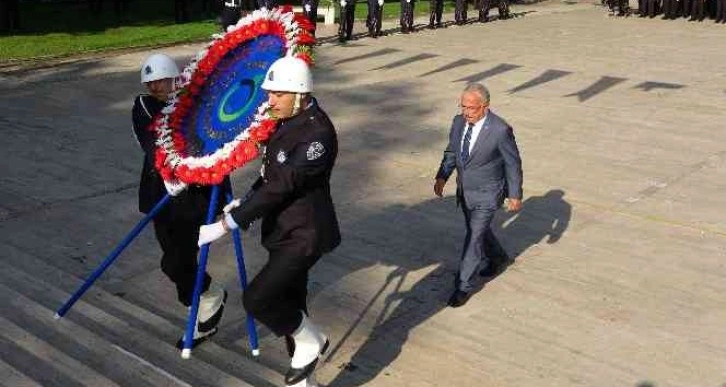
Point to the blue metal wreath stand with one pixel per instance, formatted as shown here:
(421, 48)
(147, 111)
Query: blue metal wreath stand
(201, 269)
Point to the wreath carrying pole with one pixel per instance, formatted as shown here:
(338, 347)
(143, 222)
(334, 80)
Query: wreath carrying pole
(112, 257)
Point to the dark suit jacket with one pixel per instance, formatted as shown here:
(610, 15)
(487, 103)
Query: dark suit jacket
(494, 168)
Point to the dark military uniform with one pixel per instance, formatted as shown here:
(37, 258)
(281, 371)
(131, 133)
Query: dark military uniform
(686, 8)
(720, 11)
(651, 8)
(698, 11)
(374, 18)
(269, 4)
(437, 9)
(231, 13)
(670, 9)
(407, 16)
(483, 6)
(460, 11)
(310, 10)
(347, 14)
(298, 218)
(177, 225)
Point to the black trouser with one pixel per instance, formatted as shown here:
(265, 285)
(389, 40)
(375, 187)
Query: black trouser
(503, 7)
(652, 8)
(347, 14)
(437, 9)
(373, 20)
(483, 6)
(686, 7)
(178, 240)
(460, 11)
(721, 10)
(278, 293)
(406, 15)
(310, 10)
(670, 9)
(697, 10)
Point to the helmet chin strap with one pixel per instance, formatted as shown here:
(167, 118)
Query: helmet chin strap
(296, 106)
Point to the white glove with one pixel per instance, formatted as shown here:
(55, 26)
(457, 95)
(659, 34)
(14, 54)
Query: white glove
(308, 8)
(343, 3)
(380, 3)
(231, 206)
(174, 187)
(210, 233)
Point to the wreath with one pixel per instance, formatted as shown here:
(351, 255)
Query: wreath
(218, 118)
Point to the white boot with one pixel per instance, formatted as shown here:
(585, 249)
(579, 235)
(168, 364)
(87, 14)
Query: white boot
(310, 343)
(211, 307)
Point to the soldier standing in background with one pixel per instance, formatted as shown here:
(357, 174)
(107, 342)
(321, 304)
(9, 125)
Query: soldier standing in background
(437, 9)
(670, 9)
(460, 12)
(697, 10)
(407, 16)
(375, 17)
(720, 11)
(483, 7)
(310, 10)
(347, 14)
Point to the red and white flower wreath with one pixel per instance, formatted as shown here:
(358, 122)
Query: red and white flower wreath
(172, 164)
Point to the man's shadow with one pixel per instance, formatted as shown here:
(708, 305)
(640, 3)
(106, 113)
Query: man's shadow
(540, 217)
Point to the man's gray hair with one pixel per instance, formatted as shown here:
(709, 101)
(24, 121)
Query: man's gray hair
(480, 89)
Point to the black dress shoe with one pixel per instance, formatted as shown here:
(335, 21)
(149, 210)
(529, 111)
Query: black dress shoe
(297, 375)
(458, 298)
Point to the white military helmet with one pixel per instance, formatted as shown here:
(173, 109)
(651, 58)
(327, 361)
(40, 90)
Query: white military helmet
(289, 74)
(158, 66)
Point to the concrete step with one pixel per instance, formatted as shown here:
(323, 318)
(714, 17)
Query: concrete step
(120, 332)
(12, 377)
(46, 363)
(234, 361)
(92, 350)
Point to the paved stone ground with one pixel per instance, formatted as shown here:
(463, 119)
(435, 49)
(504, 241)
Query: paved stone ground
(621, 246)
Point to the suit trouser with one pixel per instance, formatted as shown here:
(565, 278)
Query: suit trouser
(460, 11)
(480, 245)
(178, 240)
(310, 10)
(437, 9)
(279, 291)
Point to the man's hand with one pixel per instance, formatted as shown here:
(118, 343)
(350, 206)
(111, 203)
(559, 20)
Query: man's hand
(514, 205)
(211, 232)
(439, 187)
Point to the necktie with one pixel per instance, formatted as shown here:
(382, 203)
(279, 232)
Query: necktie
(467, 141)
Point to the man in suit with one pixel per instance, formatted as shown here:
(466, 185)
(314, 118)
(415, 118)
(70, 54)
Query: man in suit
(484, 153)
